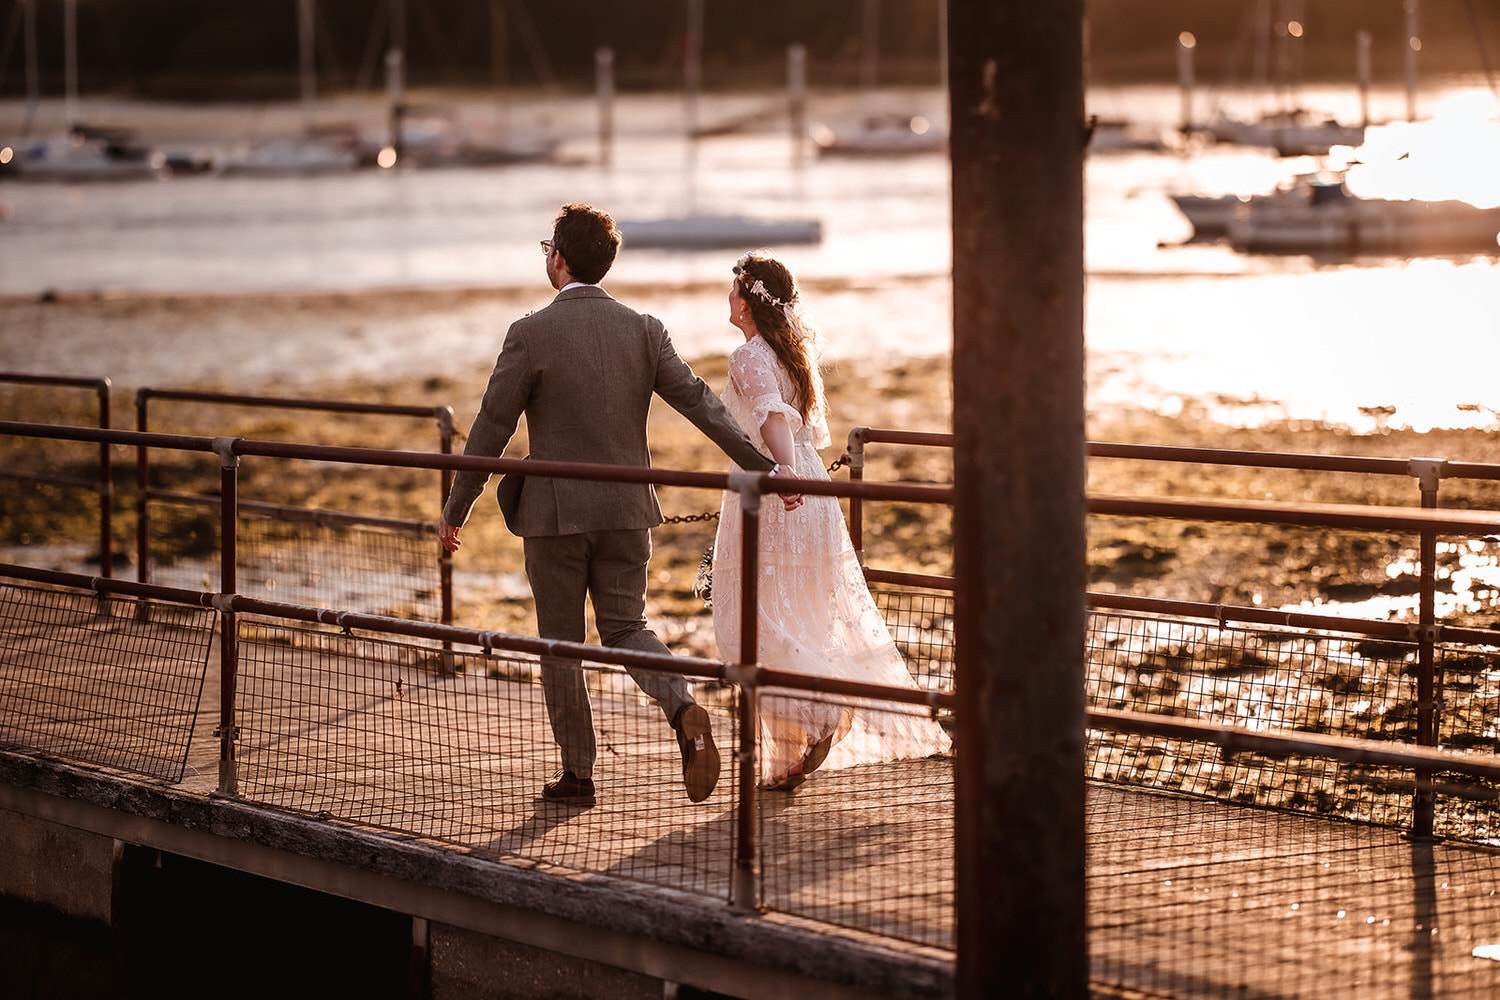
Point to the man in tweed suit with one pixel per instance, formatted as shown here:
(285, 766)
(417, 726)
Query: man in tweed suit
(583, 370)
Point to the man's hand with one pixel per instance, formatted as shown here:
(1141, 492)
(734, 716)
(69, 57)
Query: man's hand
(789, 501)
(448, 535)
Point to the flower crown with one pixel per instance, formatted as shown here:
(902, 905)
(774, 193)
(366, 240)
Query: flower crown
(758, 288)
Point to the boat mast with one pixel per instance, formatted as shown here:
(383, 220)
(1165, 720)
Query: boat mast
(309, 73)
(394, 71)
(1413, 46)
(70, 62)
(869, 54)
(33, 85)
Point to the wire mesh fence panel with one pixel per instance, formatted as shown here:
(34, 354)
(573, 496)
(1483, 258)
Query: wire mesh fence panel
(50, 505)
(921, 623)
(1468, 718)
(104, 680)
(322, 562)
(380, 733)
(1206, 899)
(864, 842)
(1260, 680)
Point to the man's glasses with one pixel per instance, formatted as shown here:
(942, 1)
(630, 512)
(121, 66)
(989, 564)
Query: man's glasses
(547, 247)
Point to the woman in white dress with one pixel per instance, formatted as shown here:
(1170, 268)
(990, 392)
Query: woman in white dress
(815, 612)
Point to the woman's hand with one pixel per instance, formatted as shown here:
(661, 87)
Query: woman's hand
(778, 437)
(789, 501)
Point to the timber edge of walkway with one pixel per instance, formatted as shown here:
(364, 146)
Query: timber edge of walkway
(652, 930)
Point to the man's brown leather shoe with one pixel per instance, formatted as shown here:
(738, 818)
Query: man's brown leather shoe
(566, 786)
(700, 758)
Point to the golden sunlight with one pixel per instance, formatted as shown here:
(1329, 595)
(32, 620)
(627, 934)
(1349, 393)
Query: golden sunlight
(1454, 155)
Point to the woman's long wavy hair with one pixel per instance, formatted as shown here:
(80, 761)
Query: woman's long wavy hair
(795, 346)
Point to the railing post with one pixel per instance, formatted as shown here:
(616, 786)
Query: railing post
(1429, 474)
(228, 730)
(445, 558)
(106, 488)
(745, 892)
(856, 508)
(142, 484)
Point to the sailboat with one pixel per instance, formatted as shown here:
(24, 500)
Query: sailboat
(696, 231)
(1290, 130)
(82, 153)
(311, 152)
(877, 134)
(429, 137)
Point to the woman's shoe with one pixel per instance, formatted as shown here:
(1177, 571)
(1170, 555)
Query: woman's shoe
(785, 783)
(816, 754)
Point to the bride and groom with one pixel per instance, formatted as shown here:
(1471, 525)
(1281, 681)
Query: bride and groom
(583, 371)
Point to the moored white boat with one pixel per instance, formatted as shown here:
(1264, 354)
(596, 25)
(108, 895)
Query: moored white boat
(713, 232)
(78, 159)
(883, 136)
(1329, 218)
(290, 155)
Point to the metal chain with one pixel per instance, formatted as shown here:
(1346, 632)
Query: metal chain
(713, 515)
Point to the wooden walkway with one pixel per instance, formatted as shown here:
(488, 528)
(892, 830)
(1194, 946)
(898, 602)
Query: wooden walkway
(1186, 898)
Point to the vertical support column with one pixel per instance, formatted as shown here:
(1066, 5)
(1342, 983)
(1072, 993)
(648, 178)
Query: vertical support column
(106, 489)
(1429, 474)
(856, 505)
(745, 892)
(1016, 104)
(228, 730)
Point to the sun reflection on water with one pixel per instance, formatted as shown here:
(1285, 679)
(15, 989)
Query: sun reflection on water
(1453, 155)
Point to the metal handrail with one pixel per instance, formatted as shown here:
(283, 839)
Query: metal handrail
(442, 414)
(105, 485)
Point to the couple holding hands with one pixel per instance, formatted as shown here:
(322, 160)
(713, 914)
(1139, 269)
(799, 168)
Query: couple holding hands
(583, 370)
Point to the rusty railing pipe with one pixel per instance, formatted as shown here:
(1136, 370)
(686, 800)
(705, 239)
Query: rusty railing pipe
(745, 891)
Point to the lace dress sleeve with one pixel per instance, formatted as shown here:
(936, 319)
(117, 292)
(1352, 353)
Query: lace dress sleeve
(753, 368)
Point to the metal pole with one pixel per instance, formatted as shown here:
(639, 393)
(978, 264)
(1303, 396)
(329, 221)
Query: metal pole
(229, 633)
(856, 505)
(745, 893)
(1429, 476)
(142, 485)
(1016, 101)
(445, 558)
(106, 488)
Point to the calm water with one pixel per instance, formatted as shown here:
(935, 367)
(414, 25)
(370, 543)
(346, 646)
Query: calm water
(1177, 327)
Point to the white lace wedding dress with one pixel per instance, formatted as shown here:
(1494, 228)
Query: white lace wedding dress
(815, 611)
